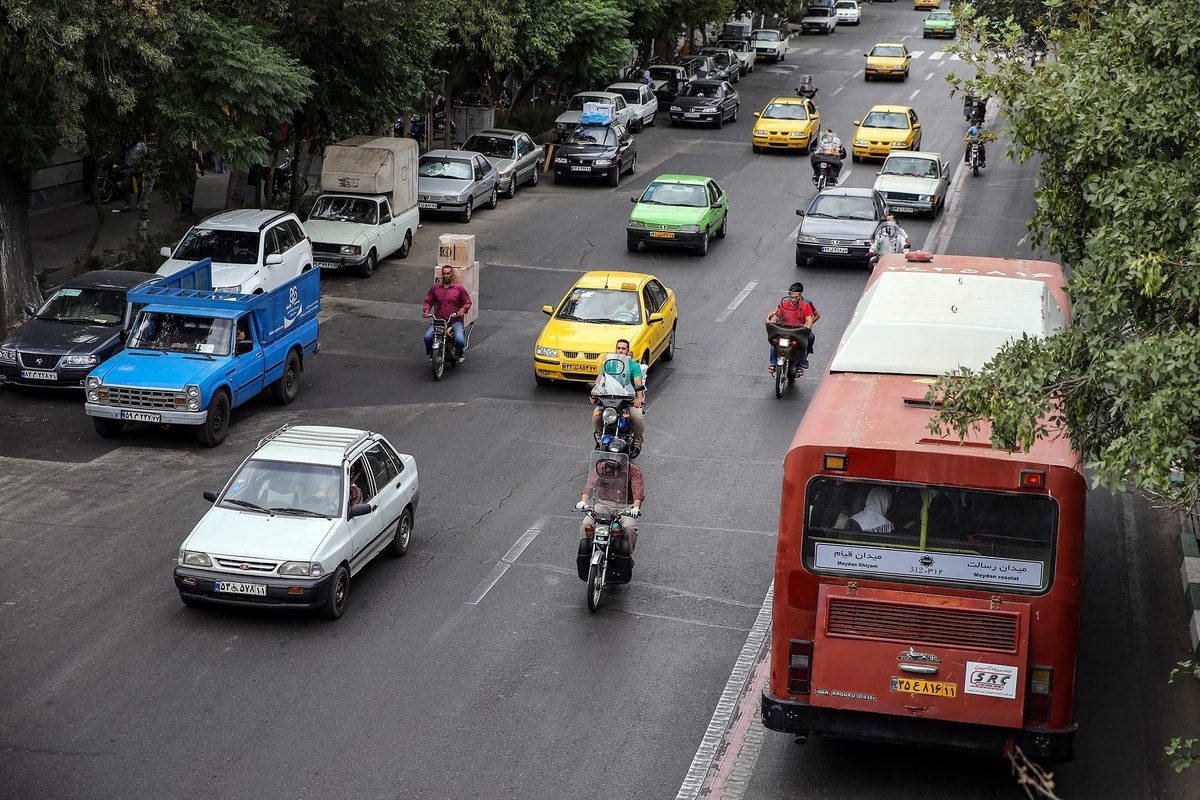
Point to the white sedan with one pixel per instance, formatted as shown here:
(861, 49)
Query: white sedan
(302, 514)
(848, 12)
(643, 105)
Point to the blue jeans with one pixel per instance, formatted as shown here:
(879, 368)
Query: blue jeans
(460, 341)
(812, 339)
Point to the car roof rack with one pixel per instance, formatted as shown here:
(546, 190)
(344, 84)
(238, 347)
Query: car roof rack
(278, 216)
(347, 440)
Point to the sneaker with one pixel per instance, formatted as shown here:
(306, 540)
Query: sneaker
(804, 365)
(431, 356)
(461, 359)
(635, 451)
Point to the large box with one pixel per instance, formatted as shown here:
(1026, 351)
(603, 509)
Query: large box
(597, 113)
(468, 276)
(456, 249)
(373, 165)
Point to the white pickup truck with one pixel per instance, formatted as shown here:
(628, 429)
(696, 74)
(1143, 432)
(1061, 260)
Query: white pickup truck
(368, 208)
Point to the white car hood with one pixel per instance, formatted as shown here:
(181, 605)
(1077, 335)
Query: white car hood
(246, 534)
(334, 232)
(222, 274)
(905, 183)
(569, 116)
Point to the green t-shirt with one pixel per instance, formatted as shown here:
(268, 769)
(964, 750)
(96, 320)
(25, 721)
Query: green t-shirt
(626, 376)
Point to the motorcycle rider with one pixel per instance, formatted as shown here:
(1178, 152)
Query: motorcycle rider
(807, 89)
(975, 135)
(794, 310)
(453, 300)
(629, 378)
(892, 239)
(828, 150)
(619, 496)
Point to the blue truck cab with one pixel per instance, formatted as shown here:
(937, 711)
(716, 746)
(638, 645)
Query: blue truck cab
(193, 354)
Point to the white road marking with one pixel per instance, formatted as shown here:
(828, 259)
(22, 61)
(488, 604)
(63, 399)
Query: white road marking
(902, 38)
(737, 301)
(838, 89)
(955, 57)
(914, 94)
(795, 232)
(812, 50)
(917, 53)
(930, 75)
(937, 56)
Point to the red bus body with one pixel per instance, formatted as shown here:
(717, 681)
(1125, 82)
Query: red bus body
(906, 658)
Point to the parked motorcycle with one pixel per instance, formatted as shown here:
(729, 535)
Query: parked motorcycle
(605, 557)
(443, 345)
(791, 347)
(109, 182)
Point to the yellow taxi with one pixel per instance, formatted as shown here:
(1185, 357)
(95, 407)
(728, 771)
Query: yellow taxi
(887, 60)
(919, 4)
(601, 308)
(884, 129)
(788, 123)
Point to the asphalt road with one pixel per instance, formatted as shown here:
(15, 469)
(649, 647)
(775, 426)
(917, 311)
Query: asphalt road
(109, 687)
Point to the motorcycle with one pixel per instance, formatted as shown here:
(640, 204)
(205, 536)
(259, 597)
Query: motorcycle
(808, 92)
(442, 344)
(791, 348)
(974, 108)
(975, 158)
(109, 182)
(605, 557)
(613, 400)
(824, 176)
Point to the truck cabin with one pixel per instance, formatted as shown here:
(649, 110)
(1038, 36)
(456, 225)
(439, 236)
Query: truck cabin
(208, 334)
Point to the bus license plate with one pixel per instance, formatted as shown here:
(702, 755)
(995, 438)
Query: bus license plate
(141, 416)
(835, 249)
(38, 375)
(662, 234)
(230, 587)
(935, 688)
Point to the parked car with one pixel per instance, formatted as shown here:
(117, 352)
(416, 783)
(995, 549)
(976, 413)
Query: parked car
(729, 67)
(453, 182)
(713, 102)
(848, 12)
(252, 251)
(668, 80)
(517, 158)
(643, 105)
(704, 67)
(769, 43)
(82, 324)
(596, 151)
(819, 20)
(308, 509)
(915, 182)
(787, 123)
(569, 119)
(744, 49)
(919, 4)
(940, 23)
(678, 211)
(884, 129)
(839, 225)
(887, 60)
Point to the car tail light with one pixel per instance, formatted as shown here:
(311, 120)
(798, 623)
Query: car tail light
(1041, 683)
(799, 666)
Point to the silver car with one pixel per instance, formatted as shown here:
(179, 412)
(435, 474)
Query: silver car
(516, 157)
(454, 182)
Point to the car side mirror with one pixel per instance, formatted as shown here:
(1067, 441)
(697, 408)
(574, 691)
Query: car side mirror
(756, 113)
(857, 122)
(548, 310)
(360, 510)
(916, 125)
(656, 318)
(165, 252)
(30, 311)
(210, 497)
(123, 335)
(244, 347)
(718, 204)
(799, 212)
(634, 198)
(273, 259)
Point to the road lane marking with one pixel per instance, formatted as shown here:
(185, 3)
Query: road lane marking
(955, 57)
(914, 94)
(917, 53)
(812, 50)
(937, 56)
(838, 89)
(737, 301)
(930, 75)
(902, 38)
(729, 714)
(938, 240)
(674, 619)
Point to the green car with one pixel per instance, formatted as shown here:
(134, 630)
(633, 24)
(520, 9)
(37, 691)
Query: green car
(679, 211)
(940, 23)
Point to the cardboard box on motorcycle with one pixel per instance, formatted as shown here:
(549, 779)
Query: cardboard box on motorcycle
(469, 278)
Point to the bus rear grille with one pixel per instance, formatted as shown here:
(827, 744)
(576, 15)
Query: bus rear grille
(937, 625)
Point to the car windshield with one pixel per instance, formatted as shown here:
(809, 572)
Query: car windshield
(449, 168)
(676, 194)
(896, 120)
(182, 333)
(720, 56)
(887, 51)
(842, 207)
(306, 490)
(940, 16)
(494, 146)
(613, 306)
(785, 111)
(599, 135)
(766, 36)
(223, 247)
(734, 44)
(346, 209)
(85, 306)
(710, 90)
(578, 100)
(630, 94)
(664, 73)
(906, 165)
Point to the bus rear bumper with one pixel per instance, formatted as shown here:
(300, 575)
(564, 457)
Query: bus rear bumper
(802, 719)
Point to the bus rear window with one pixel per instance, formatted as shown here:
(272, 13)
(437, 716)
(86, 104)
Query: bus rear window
(914, 533)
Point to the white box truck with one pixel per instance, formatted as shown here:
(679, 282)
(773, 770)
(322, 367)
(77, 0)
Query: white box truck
(368, 204)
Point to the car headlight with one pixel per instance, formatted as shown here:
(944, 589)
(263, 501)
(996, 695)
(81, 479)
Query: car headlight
(760, 133)
(190, 558)
(797, 134)
(80, 361)
(637, 223)
(899, 145)
(93, 382)
(548, 352)
(862, 242)
(193, 404)
(8, 355)
(450, 197)
(932, 198)
(676, 108)
(860, 142)
(229, 289)
(708, 111)
(307, 569)
(351, 250)
(609, 416)
(505, 176)
(689, 228)
(602, 162)
(93, 395)
(806, 239)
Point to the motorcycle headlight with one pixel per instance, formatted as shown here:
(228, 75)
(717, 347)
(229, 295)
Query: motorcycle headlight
(860, 142)
(785, 342)
(93, 382)
(689, 228)
(637, 223)
(80, 361)
(602, 162)
(351, 250)
(8, 355)
(806, 239)
(305, 569)
(609, 416)
(548, 352)
(190, 558)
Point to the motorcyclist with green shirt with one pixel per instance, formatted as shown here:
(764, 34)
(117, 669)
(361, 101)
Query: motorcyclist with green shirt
(625, 374)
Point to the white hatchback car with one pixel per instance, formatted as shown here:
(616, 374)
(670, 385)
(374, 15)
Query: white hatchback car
(848, 12)
(302, 514)
(252, 251)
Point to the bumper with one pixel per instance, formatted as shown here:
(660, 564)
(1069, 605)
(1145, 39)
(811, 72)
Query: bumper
(65, 378)
(774, 56)
(337, 260)
(695, 116)
(581, 372)
(876, 150)
(911, 206)
(823, 252)
(804, 29)
(789, 716)
(138, 415)
(781, 142)
(949, 33)
(579, 171)
(427, 207)
(885, 72)
(198, 584)
(676, 239)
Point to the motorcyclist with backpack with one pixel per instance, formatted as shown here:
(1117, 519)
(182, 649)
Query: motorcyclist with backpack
(828, 150)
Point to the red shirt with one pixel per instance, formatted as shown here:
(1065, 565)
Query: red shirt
(786, 315)
(452, 299)
(637, 487)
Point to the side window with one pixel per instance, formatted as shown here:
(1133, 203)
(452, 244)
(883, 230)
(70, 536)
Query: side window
(659, 292)
(620, 103)
(522, 148)
(648, 301)
(713, 194)
(479, 169)
(297, 232)
(380, 465)
(286, 239)
(385, 211)
(912, 116)
(359, 480)
(245, 331)
(271, 245)
(397, 462)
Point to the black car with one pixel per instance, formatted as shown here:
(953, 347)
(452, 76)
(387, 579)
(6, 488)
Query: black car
(840, 225)
(668, 80)
(83, 324)
(713, 102)
(703, 67)
(596, 151)
(729, 68)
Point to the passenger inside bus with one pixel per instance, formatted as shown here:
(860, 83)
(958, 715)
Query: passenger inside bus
(872, 518)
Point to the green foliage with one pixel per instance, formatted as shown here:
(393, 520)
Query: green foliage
(531, 118)
(1111, 116)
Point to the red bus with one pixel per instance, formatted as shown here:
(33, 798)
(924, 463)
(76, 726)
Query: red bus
(927, 591)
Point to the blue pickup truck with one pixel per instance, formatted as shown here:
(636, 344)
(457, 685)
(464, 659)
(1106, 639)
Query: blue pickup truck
(193, 354)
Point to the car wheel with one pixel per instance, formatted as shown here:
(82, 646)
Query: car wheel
(801, 260)
(674, 123)
(669, 353)
(631, 245)
(633, 164)
(212, 432)
(465, 214)
(925, 36)
(702, 248)
(108, 428)
(540, 381)
(866, 77)
(367, 268)
(735, 112)
(737, 76)
(653, 123)
(285, 389)
(720, 120)
(339, 593)
(756, 148)
(512, 188)
(721, 231)
(855, 158)
(494, 197)
(189, 601)
(536, 176)
(399, 545)
(614, 174)
(905, 76)
(638, 126)
(405, 246)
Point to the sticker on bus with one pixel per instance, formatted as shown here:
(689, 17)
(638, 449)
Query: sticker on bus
(937, 566)
(991, 680)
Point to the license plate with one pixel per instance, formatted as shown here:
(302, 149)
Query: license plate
(662, 234)
(578, 368)
(141, 416)
(581, 169)
(427, 205)
(327, 264)
(935, 688)
(38, 375)
(692, 114)
(835, 249)
(230, 587)
(902, 208)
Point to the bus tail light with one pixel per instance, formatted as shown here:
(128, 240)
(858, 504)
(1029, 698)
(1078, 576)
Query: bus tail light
(799, 666)
(1041, 681)
(1033, 479)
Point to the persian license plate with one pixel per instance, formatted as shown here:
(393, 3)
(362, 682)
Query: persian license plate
(141, 416)
(578, 368)
(902, 208)
(835, 249)
(662, 234)
(690, 114)
(327, 264)
(427, 205)
(38, 375)
(581, 169)
(934, 688)
(232, 587)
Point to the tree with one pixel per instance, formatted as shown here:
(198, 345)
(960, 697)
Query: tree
(1111, 115)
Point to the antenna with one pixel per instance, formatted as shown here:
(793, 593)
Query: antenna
(607, 275)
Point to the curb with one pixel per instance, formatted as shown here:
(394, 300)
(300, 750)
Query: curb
(1189, 571)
